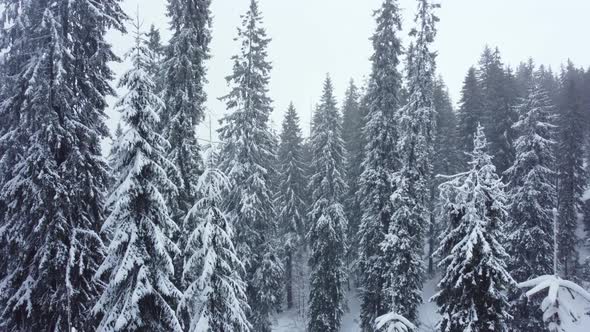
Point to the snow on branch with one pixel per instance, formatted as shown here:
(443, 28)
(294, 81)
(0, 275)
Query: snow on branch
(556, 309)
(394, 323)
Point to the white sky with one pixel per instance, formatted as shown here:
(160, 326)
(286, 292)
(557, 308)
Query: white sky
(315, 37)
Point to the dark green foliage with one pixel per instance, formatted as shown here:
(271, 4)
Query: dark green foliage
(184, 96)
(181, 77)
(352, 135)
(155, 68)
(469, 116)
(445, 161)
(499, 97)
(523, 78)
(550, 83)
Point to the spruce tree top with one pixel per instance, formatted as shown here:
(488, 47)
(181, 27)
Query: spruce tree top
(292, 184)
(328, 149)
(386, 80)
(251, 70)
(190, 22)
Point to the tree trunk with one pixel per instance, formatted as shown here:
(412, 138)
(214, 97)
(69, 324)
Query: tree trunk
(289, 280)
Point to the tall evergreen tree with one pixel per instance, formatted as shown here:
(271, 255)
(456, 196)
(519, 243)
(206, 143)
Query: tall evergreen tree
(445, 159)
(138, 266)
(327, 234)
(550, 83)
(499, 98)
(215, 297)
(445, 144)
(184, 97)
(248, 157)
(533, 196)
(380, 160)
(469, 115)
(352, 135)
(404, 242)
(586, 111)
(586, 104)
(291, 196)
(571, 169)
(55, 66)
(471, 293)
(524, 77)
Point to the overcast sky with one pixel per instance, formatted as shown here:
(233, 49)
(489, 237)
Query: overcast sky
(315, 37)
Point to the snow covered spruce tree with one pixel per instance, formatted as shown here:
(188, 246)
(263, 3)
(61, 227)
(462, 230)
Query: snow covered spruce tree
(290, 197)
(139, 293)
(532, 197)
(248, 157)
(471, 293)
(327, 234)
(571, 170)
(215, 297)
(56, 74)
(184, 99)
(380, 132)
(404, 242)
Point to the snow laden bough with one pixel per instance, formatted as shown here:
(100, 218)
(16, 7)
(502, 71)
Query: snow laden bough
(558, 306)
(394, 323)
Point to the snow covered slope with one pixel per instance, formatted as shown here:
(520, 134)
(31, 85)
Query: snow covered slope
(291, 321)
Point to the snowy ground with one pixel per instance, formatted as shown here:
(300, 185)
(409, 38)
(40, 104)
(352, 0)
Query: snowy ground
(582, 325)
(291, 321)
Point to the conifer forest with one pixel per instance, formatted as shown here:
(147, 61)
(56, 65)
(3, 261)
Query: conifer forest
(390, 206)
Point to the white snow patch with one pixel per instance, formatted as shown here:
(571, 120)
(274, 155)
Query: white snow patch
(292, 320)
(427, 312)
(351, 321)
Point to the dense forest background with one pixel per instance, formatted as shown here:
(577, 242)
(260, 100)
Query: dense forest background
(395, 189)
